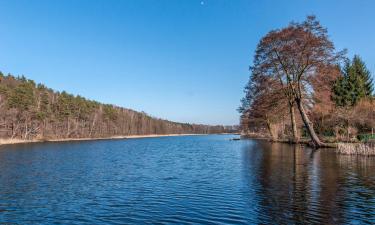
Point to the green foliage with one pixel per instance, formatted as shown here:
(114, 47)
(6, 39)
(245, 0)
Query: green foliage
(63, 106)
(44, 105)
(366, 137)
(44, 113)
(359, 67)
(4, 90)
(109, 112)
(83, 107)
(22, 97)
(355, 84)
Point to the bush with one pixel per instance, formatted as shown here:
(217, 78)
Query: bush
(366, 137)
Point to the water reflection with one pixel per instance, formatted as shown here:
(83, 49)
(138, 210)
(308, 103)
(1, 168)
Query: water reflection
(183, 180)
(300, 185)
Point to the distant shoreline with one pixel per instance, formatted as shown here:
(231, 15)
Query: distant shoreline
(21, 141)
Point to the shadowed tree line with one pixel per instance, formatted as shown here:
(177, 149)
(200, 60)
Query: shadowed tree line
(301, 86)
(33, 111)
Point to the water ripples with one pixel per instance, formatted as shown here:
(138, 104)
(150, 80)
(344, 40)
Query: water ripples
(183, 180)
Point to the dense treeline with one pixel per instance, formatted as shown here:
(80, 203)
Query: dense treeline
(297, 69)
(33, 111)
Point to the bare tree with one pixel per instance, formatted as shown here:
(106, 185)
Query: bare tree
(293, 55)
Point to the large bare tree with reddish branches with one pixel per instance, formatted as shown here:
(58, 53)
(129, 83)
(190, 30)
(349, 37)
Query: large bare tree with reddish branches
(263, 107)
(293, 55)
(259, 108)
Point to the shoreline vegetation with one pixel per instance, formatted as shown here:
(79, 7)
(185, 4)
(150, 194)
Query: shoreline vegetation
(302, 90)
(346, 148)
(31, 112)
(366, 149)
(22, 141)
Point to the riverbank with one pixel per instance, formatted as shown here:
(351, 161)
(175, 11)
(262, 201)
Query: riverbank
(346, 148)
(21, 141)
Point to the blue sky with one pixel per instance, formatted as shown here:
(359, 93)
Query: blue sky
(182, 60)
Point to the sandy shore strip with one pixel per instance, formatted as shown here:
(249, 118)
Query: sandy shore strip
(21, 141)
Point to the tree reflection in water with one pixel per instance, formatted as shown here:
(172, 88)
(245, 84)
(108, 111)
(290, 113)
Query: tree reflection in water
(296, 184)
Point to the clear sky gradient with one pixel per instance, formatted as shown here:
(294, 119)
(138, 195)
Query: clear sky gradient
(182, 60)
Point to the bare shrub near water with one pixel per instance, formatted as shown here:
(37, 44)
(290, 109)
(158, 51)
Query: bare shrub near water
(367, 149)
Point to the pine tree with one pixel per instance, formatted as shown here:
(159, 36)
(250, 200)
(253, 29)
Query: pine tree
(355, 84)
(22, 97)
(44, 109)
(359, 68)
(29, 110)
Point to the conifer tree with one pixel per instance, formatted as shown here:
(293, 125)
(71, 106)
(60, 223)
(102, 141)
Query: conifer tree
(22, 97)
(30, 111)
(355, 84)
(359, 68)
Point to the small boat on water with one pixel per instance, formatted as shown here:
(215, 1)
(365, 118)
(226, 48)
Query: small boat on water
(235, 139)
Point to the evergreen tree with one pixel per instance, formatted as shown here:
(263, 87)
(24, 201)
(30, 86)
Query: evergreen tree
(109, 112)
(359, 68)
(63, 106)
(44, 107)
(29, 110)
(355, 84)
(22, 97)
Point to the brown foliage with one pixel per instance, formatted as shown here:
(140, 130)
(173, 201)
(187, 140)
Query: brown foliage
(293, 56)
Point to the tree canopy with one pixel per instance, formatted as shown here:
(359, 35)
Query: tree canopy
(355, 83)
(30, 111)
(298, 66)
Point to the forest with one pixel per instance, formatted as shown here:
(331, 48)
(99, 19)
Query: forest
(31, 111)
(302, 88)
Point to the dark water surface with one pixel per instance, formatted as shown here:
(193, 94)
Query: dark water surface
(183, 180)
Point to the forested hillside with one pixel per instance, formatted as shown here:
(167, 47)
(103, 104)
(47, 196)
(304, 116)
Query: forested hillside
(33, 111)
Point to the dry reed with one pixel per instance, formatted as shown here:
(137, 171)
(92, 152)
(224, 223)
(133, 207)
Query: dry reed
(367, 149)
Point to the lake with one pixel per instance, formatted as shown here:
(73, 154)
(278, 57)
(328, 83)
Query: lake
(183, 180)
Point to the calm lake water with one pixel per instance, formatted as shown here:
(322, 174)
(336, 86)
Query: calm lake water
(183, 180)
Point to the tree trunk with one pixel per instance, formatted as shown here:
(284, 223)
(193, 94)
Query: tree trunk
(269, 126)
(293, 123)
(314, 137)
(68, 130)
(13, 131)
(347, 130)
(26, 130)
